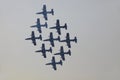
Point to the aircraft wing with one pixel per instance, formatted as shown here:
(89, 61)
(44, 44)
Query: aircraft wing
(52, 27)
(45, 16)
(59, 31)
(39, 51)
(63, 41)
(39, 29)
(54, 67)
(49, 64)
(68, 44)
(47, 40)
(57, 54)
(28, 39)
(33, 26)
(34, 42)
(52, 43)
(39, 13)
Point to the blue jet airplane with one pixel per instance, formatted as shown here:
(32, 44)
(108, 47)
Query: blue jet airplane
(62, 53)
(33, 38)
(58, 27)
(68, 40)
(51, 39)
(45, 12)
(54, 63)
(43, 50)
(39, 25)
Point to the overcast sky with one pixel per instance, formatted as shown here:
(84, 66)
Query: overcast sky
(96, 56)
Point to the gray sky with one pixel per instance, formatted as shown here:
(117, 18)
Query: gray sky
(96, 23)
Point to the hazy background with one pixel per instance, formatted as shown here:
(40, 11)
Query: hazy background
(96, 56)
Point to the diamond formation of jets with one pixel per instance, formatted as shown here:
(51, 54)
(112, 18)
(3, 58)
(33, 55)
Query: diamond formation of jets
(51, 39)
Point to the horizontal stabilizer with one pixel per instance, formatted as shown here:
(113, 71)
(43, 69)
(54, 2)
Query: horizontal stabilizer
(46, 25)
(65, 26)
(75, 39)
(58, 38)
(69, 52)
(52, 11)
(40, 37)
(50, 50)
(61, 62)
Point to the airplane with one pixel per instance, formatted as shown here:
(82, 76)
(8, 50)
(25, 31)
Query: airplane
(51, 39)
(33, 38)
(58, 26)
(45, 12)
(62, 53)
(39, 25)
(68, 40)
(54, 63)
(43, 50)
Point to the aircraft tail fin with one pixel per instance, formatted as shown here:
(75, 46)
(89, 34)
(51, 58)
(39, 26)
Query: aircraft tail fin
(58, 38)
(40, 37)
(75, 39)
(46, 25)
(50, 49)
(69, 52)
(65, 26)
(60, 62)
(52, 11)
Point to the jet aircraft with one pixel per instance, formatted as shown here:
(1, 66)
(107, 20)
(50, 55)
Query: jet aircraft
(51, 39)
(62, 53)
(58, 26)
(39, 25)
(43, 50)
(45, 12)
(33, 38)
(68, 40)
(54, 63)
